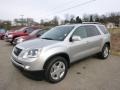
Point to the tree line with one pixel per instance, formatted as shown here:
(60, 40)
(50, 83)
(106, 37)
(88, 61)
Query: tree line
(113, 17)
(5, 25)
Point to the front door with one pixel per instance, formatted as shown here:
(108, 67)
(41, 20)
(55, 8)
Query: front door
(78, 49)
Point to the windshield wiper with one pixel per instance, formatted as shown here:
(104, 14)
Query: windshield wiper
(48, 38)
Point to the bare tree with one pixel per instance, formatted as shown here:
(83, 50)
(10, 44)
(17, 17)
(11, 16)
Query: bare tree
(67, 18)
(85, 18)
(42, 21)
(78, 19)
(55, 21)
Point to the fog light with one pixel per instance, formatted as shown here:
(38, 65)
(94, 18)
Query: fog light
(27, 67)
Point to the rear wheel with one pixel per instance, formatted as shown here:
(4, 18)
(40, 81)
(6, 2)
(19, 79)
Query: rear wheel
(105, 52)
(56, 69)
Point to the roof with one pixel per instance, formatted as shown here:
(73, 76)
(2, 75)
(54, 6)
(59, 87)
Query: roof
(84, 23)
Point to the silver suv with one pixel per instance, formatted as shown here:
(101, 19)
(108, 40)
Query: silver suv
(55, 50)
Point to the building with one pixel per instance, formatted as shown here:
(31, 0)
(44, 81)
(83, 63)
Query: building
(110, 25)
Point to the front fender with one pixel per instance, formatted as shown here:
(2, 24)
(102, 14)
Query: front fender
(46, 54)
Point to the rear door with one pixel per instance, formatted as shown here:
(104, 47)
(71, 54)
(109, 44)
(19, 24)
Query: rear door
(94, 39)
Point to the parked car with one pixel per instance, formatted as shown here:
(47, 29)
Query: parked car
(35, 34)
(2, 33)
(55, 50)
(11, 36)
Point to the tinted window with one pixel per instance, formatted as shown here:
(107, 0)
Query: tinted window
(21, 30)
(57, 33)
(80, 32)
(29, 30)
(34, 32)
(103, 29)
(91, 31)
(41, 32)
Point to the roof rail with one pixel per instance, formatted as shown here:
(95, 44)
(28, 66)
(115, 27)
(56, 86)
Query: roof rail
(91, 23)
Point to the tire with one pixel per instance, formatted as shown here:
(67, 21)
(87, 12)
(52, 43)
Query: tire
(57, 66)
(2, 38)
(12, 42)
(105, 52)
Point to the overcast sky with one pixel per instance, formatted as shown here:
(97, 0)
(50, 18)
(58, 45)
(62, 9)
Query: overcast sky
(37, 9)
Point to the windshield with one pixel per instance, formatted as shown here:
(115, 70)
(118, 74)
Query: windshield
(57, 33)
(21, 30)
(34, 32)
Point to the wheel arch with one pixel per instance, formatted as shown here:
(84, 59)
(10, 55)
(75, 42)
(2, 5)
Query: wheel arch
(66, 56)
(108, 43)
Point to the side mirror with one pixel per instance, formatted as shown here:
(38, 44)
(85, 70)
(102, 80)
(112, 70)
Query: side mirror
(76, 38)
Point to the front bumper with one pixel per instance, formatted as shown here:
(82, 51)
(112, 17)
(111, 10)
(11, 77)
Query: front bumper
(17, 64)
(34, 65)
(7, 39)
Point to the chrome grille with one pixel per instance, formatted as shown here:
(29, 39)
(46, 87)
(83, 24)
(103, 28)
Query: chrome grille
(17, 51)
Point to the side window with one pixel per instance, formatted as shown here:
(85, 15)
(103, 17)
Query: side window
(103, 29)
(41, 32)
(92, 31)
(80, 32)
(29, 30)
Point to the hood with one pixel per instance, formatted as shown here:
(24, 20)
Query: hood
(37, 43)
(16, 32)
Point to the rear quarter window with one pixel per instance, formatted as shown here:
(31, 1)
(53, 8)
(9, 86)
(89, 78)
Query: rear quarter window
(103, 29)
(29, 30)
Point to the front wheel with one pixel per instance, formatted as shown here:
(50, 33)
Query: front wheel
(56, 69)
(2, 37)
(14, 41)
(105, 52)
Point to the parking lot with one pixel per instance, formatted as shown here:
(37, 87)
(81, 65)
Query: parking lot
(88, 74)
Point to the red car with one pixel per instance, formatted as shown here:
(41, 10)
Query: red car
(2, 33)
(11, 36)
(35, 34)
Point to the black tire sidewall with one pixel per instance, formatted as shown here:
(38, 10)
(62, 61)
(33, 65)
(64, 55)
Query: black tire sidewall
(13, 42)
(2, 37)
(102, 53)
(48, 68)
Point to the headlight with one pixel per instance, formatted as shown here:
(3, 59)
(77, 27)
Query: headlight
(31, 53)
(10, 36)
(19, 40)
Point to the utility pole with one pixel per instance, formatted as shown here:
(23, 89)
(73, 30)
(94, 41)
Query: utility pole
(119, 21)
(22, 19)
